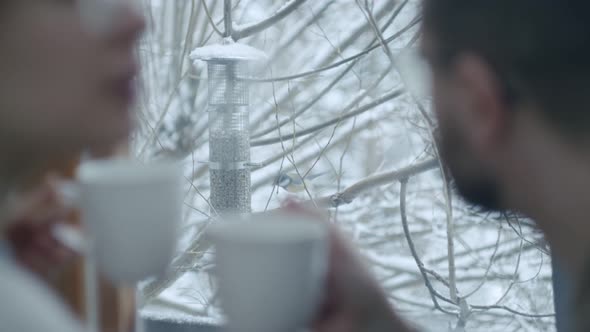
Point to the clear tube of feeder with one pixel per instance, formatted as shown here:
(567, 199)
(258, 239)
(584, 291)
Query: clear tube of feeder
(229, 137)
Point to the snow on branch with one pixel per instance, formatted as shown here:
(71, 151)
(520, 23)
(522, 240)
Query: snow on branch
(253, 28)
(351, 193)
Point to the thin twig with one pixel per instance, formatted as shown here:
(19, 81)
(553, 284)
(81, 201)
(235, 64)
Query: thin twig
(412, 24)
(340, 118)
(349, 194)
(212, 23)
(419, 263)
(341, 47)
(450, 241)
(309, 105)
(283, 153)
(255, 28)
(516, 312)
(227, 18)
(341, 164)
(514, 275)
(309, 157)
(156, 128)
(193, 254)
(485, 277)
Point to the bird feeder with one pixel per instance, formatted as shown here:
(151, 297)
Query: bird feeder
(228, 66)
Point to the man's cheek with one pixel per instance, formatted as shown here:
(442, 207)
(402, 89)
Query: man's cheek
(439, 99)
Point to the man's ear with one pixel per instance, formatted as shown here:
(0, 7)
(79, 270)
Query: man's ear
(483, 107)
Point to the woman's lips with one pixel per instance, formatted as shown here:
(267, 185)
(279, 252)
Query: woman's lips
(123, 86)
(125, 89)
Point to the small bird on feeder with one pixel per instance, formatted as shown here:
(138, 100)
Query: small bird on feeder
(293, 183)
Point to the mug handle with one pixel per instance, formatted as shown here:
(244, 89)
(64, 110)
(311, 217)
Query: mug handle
(69, 192)
(69, 236)
(72, 238)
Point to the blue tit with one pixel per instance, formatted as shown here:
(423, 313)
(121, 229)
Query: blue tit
(293, 183)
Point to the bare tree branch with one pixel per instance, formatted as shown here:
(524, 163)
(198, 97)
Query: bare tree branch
(351, 193)
(450, 242)
(307, 106)
(212, 23)
(288, 37)
(283, 153)
(251, 29)
(342, 62)
(433, 293)
(366, 10)
(227, 18)
(189, 257)
(308, 158)
(516, 312)
(360, 110)
(485, 278)
(329, 58)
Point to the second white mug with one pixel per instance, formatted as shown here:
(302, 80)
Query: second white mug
(271, 272)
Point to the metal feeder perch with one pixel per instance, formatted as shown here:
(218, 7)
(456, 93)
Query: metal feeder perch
(229, 124)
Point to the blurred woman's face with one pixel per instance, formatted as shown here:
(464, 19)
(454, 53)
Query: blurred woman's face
(67, 70)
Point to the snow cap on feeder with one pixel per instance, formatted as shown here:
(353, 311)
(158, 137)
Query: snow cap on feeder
(228, 69)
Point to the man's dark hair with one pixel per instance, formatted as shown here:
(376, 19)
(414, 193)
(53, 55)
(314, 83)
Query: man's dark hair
(539, 49)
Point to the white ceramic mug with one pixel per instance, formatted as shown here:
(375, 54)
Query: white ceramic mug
(271, 272)
(131, 212)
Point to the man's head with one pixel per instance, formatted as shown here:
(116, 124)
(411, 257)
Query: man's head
(495, 61)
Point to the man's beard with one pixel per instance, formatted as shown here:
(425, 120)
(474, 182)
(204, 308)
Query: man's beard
(468, 176)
